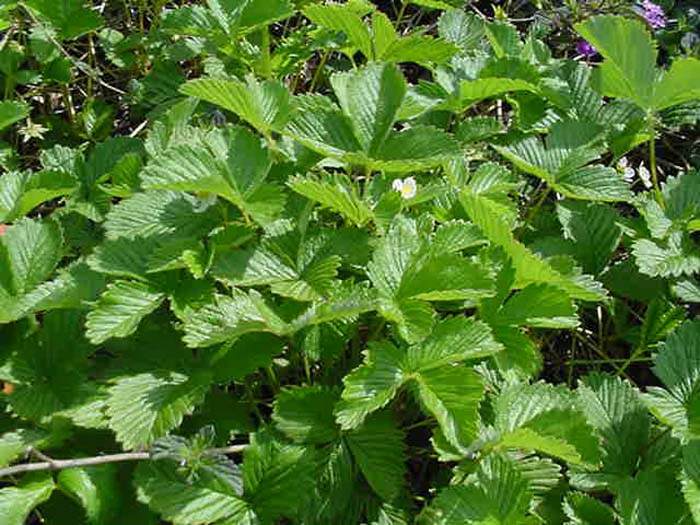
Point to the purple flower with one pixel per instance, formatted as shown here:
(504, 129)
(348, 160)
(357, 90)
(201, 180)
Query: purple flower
(654, 14)
(585, 48)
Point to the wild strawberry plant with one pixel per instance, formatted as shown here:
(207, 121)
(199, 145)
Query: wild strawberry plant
(275, 262)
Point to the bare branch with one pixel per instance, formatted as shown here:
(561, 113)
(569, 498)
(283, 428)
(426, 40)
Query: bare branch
(58, 464)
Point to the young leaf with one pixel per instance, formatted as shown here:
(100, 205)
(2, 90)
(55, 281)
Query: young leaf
(95, 488)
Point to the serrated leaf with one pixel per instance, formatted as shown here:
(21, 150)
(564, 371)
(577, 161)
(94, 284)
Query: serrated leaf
(341, 18)
(539, 305)
(452, 394)
(17, 502)
(500, 496)
(650, 498)
(420, 49)
(615, 409)
(452, 340)
(213, 165)
(546, 418)
(276, 477)
(623, 74)
(159, 486)
(230, 317)
(582, 509)
(377, 447)
(371, 98)
(120, 309)
(12, 111)
(679, 84)
(472, 91)
(335, 192)
(95, 488)
(29, 252)
(267, 106)
(595, 231)
(70, 17)
(370, 386)
(305, 414)
(144, 407)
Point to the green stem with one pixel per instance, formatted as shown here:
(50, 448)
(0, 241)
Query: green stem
(536, 208)
(399, 17)
(319, 71)
(653, 169)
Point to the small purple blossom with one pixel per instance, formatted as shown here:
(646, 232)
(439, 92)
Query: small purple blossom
(654, 14)
(585, 48)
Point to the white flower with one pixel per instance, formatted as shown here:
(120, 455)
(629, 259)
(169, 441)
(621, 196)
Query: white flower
(406, 187)
(644, 175)
(626, 170)
(31, 131)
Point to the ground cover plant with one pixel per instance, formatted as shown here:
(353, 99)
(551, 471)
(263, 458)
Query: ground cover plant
(294, 262)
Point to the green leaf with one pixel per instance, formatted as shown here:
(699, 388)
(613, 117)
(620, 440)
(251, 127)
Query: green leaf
(615, 409)
(669, 258)
(650, 498)
(595, 231)
(414, 149)
(342, 18)
(120, 309)
(563, 161)
(677, 365)
(267, 106)
(230, 317)
(500, 496)
(371, 98)
(213, 165)
(377, 447)
(582, 509)
(335, 192)
(277, 477)
(679, 85)
(95, 488)
(472, 91)
(529, 267)
(182, 502)
(545, 418)
(12, 111)
(420, 49)
(463, 29)
(69, 17)
(370, 386)
(144, 407)
(256, 13)
(305, 414)
(29, 252)
(17, 502)
(452, 394)
(452, 340)
(538, 305)
(623, 74)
